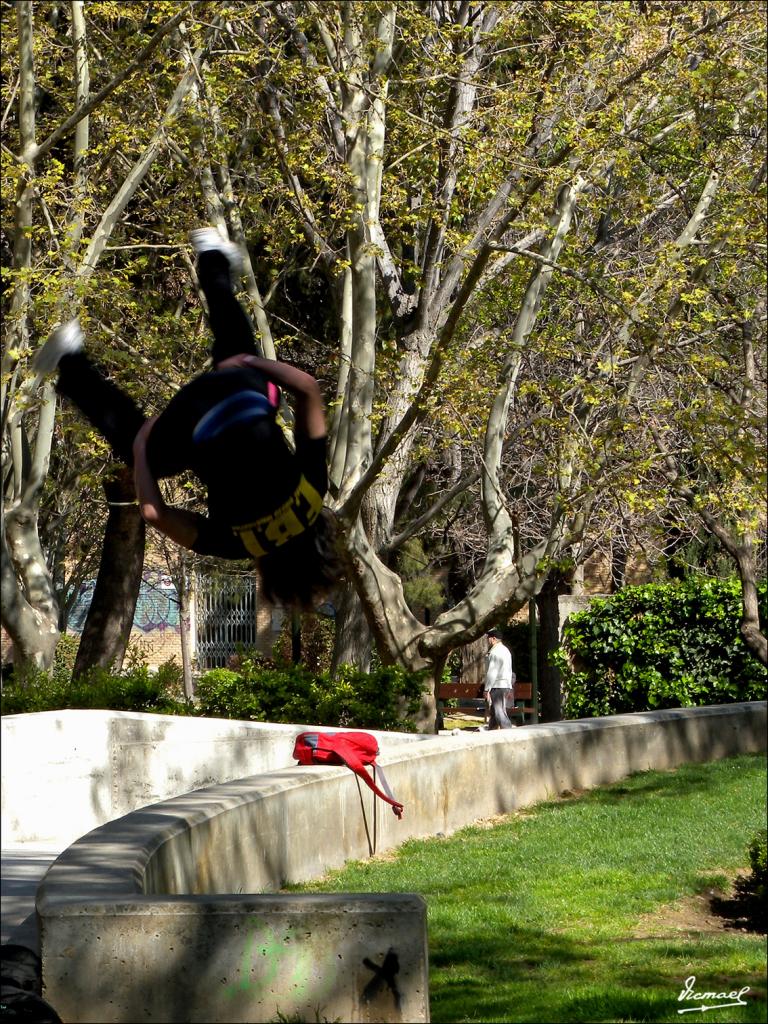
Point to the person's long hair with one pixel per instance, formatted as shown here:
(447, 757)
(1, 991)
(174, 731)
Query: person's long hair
(302, 572)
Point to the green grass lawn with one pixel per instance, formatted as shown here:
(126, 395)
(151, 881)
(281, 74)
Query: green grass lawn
(589, 909)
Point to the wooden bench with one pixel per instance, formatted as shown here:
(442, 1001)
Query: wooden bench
(470, 698)
(523, 704)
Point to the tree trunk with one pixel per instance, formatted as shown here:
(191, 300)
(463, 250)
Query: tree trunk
(473, 661)
(352, 639)
(428, 717)
(108, 624)
(30, 610)
(754, 636)
(31, 619)
(550, 693)
(755, 639)
(185, 632)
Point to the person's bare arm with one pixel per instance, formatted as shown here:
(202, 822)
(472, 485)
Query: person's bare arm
(310, 412)
(178, 524)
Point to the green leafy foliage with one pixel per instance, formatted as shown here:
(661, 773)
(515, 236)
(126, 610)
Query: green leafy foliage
(751, 891)
(136, 688)
(316, 642)
(256, 691)
(423, 587)
(382, 699)
(659, 646)
(65, 653)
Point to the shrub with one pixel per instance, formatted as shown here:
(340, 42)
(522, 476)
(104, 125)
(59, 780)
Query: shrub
(659, 646)
(37, 691)
(751, 891)
(381, 699)
(133, 689)
(255, 690)
(65, 654)
(385, 698)
(316, 642)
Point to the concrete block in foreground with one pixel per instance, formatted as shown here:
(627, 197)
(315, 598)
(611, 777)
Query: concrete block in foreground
(340, 956)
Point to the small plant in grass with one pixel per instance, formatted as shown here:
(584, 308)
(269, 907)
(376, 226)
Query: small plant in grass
(300, 1018)
(752, 891)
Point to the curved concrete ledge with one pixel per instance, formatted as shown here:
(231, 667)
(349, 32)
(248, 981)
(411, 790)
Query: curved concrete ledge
(139, 921)
(99, 765)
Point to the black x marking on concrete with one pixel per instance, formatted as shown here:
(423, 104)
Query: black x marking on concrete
(383, 976)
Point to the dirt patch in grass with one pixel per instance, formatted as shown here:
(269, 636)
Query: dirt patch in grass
(692, 915)
(712, 911)
(493, 821)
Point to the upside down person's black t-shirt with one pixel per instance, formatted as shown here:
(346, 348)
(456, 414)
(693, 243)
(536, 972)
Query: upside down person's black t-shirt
(251, 478)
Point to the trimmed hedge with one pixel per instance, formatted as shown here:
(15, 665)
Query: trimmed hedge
(660, 646)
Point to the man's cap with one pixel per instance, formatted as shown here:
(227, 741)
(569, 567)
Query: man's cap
(244, 407)
(494, 633)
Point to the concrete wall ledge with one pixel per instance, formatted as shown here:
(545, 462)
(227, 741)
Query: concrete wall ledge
(131, 914)
(99, 765)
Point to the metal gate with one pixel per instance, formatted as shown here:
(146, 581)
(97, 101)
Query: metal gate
(225, 619)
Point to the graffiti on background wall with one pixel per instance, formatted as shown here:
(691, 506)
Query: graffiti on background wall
(157, 607)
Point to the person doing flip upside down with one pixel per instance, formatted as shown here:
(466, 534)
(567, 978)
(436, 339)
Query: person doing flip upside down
(265, 502)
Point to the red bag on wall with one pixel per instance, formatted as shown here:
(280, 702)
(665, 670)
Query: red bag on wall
(354, 749)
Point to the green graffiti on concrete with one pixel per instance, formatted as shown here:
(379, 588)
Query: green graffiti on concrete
(279, 963)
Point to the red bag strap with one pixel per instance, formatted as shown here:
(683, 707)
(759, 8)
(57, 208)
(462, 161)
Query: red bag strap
(378, 770)
(397, 807)
(352, 760)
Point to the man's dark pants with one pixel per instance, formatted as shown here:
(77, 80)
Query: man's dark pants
(498, 718)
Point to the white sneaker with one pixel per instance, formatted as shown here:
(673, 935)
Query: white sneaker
(64, 341)
(209, 240)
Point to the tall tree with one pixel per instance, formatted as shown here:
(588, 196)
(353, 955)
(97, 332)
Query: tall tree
(507, 205)
(481, 196)
(58, 192)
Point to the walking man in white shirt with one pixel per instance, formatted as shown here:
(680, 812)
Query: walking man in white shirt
(499, 680)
